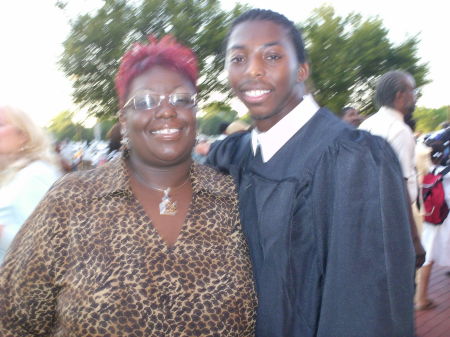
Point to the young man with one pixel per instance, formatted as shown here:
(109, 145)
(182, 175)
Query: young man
(321, 202)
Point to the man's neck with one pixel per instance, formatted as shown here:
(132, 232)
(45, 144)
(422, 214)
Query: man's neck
(266, 124)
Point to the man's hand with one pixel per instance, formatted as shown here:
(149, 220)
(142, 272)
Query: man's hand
(420, 253)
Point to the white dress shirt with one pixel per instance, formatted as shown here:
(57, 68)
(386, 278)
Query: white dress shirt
(273, 139)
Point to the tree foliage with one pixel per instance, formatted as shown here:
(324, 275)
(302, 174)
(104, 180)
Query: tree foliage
(63, 127)
(349, 54)
(97, 41)
(430, 119)
(215, 113)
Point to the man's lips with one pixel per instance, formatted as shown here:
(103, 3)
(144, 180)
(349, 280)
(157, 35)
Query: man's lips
(255, 95)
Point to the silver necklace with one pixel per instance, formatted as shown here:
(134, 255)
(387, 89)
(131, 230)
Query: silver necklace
(167, 206)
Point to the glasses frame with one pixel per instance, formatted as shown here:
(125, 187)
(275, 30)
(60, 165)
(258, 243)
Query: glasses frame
(170, 99)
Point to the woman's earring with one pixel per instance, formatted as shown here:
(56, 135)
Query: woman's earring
(125, 140)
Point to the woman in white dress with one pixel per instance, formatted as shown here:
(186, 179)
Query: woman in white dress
(435, 238)
(28, 167)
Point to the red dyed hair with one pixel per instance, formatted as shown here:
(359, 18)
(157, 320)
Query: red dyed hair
(140, 57)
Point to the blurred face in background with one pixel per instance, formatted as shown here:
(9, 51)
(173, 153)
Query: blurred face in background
(11, 138)
(410, 95)
(352, 117)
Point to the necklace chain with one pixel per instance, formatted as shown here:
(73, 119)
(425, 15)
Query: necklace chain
(142, 181)
(167, 206)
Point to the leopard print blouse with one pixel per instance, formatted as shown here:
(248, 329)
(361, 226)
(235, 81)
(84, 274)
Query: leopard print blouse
(88, 262)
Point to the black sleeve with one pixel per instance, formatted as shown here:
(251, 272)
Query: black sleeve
(362, 218)
(227, 155)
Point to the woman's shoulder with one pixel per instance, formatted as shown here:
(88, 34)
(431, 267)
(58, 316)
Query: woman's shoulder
(93, 182)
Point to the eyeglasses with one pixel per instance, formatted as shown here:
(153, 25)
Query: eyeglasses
(148, 101)
(414, 91)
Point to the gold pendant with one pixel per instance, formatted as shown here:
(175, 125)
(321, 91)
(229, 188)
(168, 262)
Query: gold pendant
(167, 206)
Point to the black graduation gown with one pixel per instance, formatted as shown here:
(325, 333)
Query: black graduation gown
(327, 224)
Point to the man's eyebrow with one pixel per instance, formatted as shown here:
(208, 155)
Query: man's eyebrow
(236, 46)
(268, 44)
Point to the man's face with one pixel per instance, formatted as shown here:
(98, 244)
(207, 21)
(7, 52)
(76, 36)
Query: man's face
(409, 102)
(264, 72)
(352, 117)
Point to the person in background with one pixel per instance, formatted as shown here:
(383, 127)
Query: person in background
(28, 167)
(222, 130)
(351, 116)
(115, 140)
(322, 204)
(395, 94)
(233, 127)
(201, 149)
(150, 243)
(114, 144)
(236, 126)
(65, 164)
(396, 97)
(435, 238)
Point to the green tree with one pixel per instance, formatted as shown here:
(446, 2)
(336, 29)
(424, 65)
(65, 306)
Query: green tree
(349, 54)
(62, 127)
(215, 113)
(96, 42)
(430, 119)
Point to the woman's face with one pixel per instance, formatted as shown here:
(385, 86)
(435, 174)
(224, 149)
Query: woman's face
(11, 138)
(160, 134)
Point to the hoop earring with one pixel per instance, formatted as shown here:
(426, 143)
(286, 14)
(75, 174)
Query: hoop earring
(125, 141)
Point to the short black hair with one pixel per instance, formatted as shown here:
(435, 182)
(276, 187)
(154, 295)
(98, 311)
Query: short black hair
(389, 85)
(222, 127)
(345, 109)
(437, 151)
(268, 15)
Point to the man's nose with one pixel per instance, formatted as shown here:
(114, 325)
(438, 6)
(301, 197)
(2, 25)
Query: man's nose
(255, 67)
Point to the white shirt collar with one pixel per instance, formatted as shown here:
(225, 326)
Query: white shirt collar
(392, 112)
(273, 139)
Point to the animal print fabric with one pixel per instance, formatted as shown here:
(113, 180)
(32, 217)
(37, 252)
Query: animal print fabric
(88, 262)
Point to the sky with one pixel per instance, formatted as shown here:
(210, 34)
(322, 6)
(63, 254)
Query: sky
(32, 33)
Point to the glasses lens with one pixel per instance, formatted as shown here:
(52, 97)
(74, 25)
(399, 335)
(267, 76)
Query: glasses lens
(146, 102)
(182, 100)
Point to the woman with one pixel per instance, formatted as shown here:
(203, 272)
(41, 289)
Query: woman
(28, 168)
(148, 244)
(435, 238)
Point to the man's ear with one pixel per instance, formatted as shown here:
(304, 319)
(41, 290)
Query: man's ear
(303, 72)
(398, 100)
